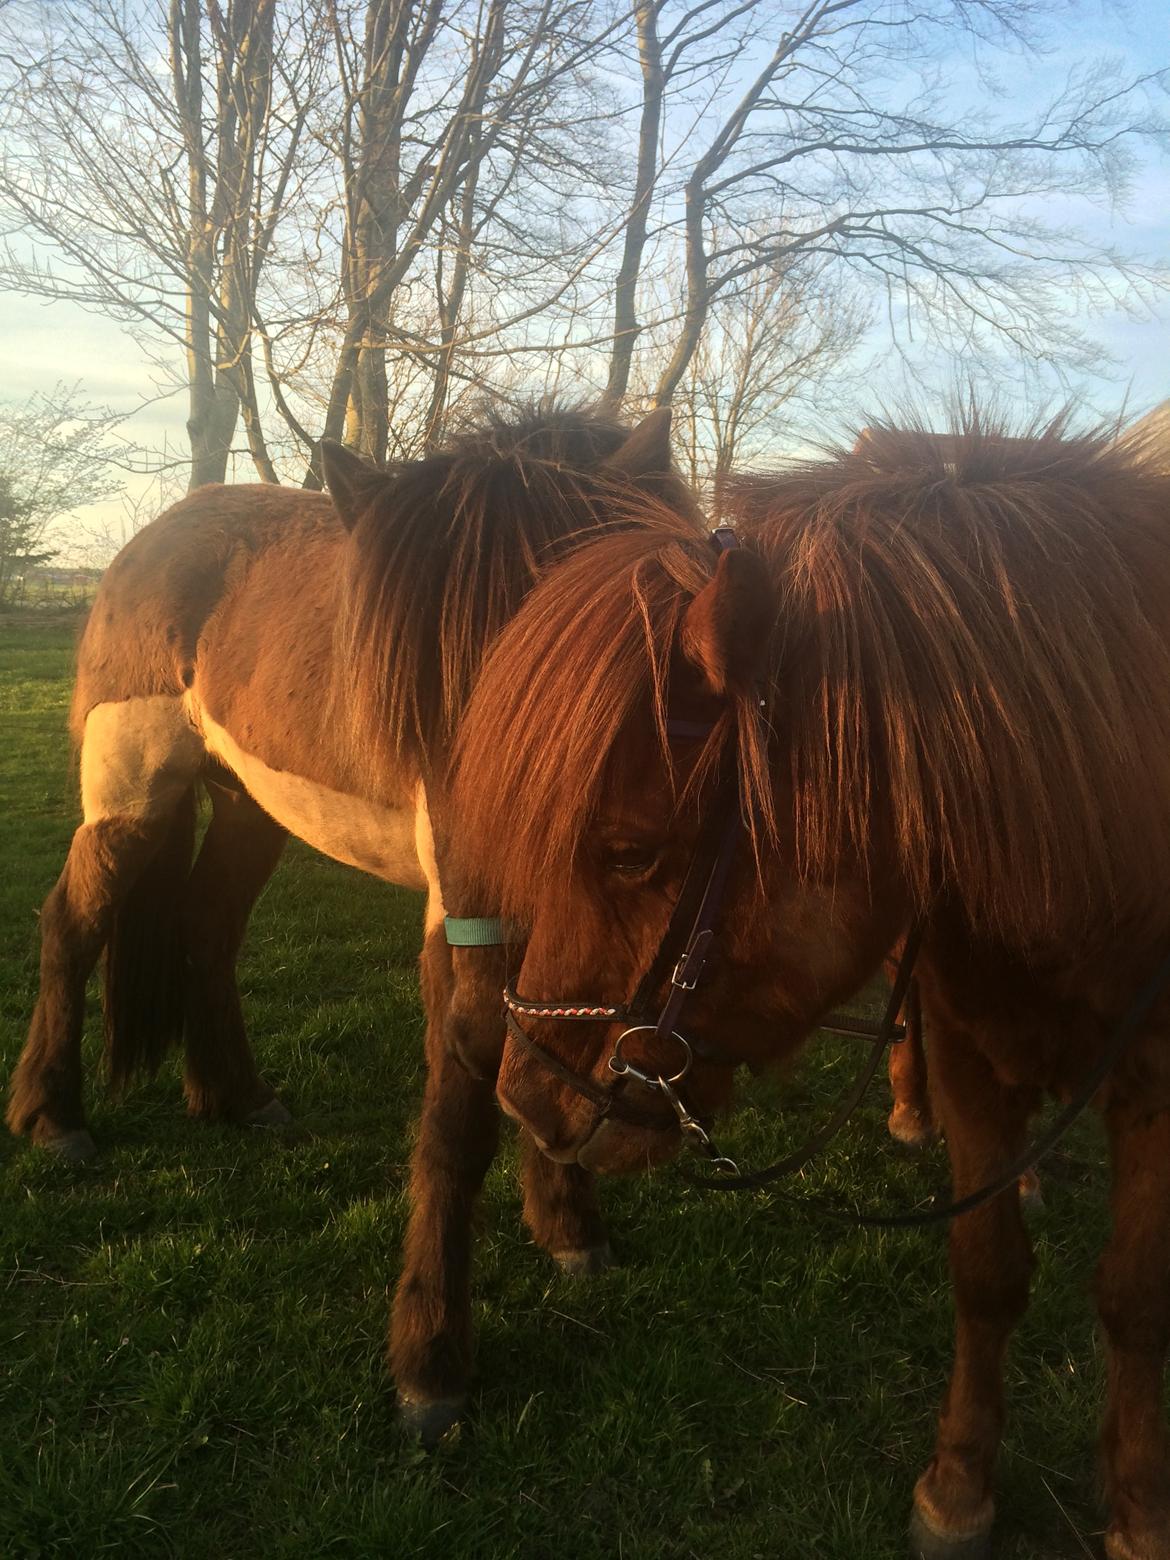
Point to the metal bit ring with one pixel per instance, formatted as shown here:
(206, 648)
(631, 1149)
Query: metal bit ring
(618, 1063)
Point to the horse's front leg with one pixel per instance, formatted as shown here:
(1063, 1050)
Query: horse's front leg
(1133, 1298)
(560, 1205)
(991, 1262)
(430, 1328)
(560, 1208)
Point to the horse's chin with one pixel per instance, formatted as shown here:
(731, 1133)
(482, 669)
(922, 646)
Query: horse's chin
(617, 1149)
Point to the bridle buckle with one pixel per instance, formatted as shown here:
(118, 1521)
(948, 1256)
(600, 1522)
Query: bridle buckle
(683, 979)
(690, 965)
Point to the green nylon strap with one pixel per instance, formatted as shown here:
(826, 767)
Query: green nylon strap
(478, 931)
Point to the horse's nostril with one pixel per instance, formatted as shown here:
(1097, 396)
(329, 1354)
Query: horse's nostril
(469, 1061)
(559, 1156)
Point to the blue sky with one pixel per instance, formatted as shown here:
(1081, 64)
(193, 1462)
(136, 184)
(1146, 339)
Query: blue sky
(41, 345)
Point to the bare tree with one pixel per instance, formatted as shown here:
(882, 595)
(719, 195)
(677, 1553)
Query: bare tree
(350, 216)
(450, 110)
(767, 352)
(843, 141)
(152, 193)
(56, 454)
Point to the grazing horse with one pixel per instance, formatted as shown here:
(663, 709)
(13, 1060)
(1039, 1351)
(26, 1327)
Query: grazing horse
(930, 687)
(306, 661)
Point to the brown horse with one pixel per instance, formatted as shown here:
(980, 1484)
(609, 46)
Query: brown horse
(306, 662)
(964, 662)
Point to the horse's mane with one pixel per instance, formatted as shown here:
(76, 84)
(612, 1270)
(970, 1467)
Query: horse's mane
(971, 665)
(445, 555)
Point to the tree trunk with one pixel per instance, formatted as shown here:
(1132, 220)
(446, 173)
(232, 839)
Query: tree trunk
(625, 317)
(698, 299)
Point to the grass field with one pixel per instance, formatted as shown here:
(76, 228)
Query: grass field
(191, 1328)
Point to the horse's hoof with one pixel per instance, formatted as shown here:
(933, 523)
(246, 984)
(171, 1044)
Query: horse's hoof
(431, 1420)
(586, 1262)
(928, 1544)
(911, 1127)
(274, 1114)
(72, 1147)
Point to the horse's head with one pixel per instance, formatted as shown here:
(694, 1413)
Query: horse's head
(904, 691)
(620, 797)
(442, 550)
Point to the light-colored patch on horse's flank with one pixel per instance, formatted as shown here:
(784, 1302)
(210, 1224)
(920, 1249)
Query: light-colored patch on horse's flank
(424, 844)
(138, 756)
(378, 840)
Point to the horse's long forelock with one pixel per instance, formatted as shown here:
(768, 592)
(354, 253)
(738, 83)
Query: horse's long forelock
(444, 558)
(590, 653)
(971, 666)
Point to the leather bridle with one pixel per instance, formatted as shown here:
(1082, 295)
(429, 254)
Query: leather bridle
(680, 960)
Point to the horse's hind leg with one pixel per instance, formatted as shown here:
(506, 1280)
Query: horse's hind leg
(239, 854)
(105, 859)
(1133, 1297)
(120, 888)
(911, 1121)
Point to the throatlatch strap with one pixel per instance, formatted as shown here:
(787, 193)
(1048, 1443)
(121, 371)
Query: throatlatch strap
(479, 931)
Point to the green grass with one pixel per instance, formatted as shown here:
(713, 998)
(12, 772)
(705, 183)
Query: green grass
(191, 1329)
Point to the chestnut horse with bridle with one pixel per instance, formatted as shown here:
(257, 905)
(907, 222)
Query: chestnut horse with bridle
(303, 659)
(926, 697)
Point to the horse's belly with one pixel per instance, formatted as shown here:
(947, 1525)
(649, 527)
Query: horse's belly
(379, 840)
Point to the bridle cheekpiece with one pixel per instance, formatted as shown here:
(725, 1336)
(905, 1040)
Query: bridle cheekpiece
(682, 954)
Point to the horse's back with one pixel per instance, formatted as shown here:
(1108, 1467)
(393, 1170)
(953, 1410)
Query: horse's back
(159, 593)
(152, 627)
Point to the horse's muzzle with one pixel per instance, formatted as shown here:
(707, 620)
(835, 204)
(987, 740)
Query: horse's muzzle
(602, 1146)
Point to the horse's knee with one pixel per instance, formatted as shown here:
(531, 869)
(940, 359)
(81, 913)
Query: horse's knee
(1133, 1302)
(991, 1278)
(473, 1028)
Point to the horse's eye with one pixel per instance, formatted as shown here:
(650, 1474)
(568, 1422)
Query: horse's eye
(631, 860)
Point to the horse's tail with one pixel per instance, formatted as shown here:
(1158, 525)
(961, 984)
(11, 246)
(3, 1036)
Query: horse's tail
(145, 957)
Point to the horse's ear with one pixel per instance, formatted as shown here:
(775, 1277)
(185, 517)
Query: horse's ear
(645, 452)
(352, 480)
(726, 628)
